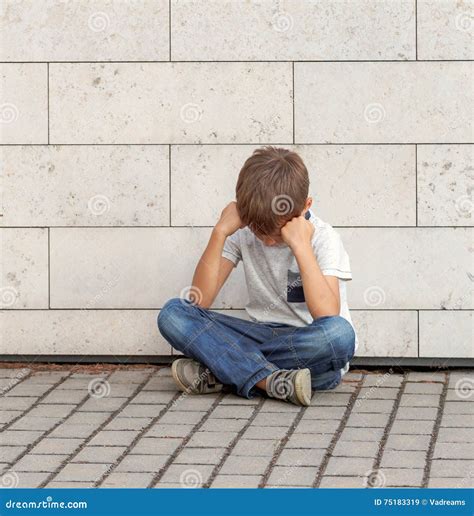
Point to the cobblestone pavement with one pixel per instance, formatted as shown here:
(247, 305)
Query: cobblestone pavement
(131, 428)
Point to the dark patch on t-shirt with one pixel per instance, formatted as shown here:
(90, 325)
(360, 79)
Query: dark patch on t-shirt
(294, 288)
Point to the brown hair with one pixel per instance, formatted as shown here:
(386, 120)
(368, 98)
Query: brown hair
(272, 188)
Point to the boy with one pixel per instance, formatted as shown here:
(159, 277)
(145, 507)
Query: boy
(300, 337)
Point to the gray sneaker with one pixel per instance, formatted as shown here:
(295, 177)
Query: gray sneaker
(194, 378)
(290, 385)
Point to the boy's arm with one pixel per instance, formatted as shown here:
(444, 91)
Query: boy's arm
(321, 292)
(213, 269)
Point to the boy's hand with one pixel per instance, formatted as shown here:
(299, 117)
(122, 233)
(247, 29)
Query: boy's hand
(296, 232)
(229, 221)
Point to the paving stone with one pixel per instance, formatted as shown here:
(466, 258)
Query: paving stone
(128, 423)
(56, 446)
(122, 390)
(11, 453)
(319, 426)
(342, 482)
(26, 480)
(128, 377)
(38, 463)
(25, 389)
(451, 483)
(153, 397)
(295, 476)
(160, 384)
(265, 432)
(355, 449)
(426, 376)
(99, 454)
(324, 412)
(14, 372)
(19, 437)
(45, 410)
(236, 481)
(461, 378)
(156, 446)
(47, 377)
(457, 421)
(102, 404)
(16, 403)
(367, 420)
(178, 418)
(403, 459)
(458, 435)
(82, 472)
(193, 403)
(454, 451)
(66, 430)
(35, 423)
(241, 465)
(457, 395)
(199, 456)
(309, 441)
(419, 400)
(114, 438)
(232, 399)
(295, 457)
(373, 406)
(382, 381)
(142, 463)
(408, 442)
(73, 383)
(374, 393)
(255, 447)
(330, 400)
(184, 475)
(452, 468)
(7, 416)
(92, 418)
(423, 388)
(211, 439)
(160, 430)
(129, 480)
(403, 477)
(417, 413)
(232, 412)
(73, 485)
(139, 410)
(458, 407)
(279, 406)
(64, 397)
(361, 434)
(404, 426)
(223, 425)
(350, 466)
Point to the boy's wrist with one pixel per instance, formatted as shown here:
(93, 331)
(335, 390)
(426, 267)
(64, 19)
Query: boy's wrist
(219, 232)
(301, 248)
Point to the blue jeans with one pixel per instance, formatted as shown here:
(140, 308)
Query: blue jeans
(241, 353)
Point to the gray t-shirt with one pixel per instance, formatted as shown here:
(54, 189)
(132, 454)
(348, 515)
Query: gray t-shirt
(273, 281)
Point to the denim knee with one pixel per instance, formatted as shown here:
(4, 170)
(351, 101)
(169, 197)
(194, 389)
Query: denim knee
(340, 336)
(170, 316)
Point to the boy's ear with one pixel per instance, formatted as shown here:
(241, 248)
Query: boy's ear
(308, 204)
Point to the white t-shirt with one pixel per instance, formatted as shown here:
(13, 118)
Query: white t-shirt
(273, 280)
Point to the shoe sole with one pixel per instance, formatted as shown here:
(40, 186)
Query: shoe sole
(303, 387)
(174, 372)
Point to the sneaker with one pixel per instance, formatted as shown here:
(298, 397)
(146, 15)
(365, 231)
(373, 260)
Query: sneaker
(290, 385)
(194, 378)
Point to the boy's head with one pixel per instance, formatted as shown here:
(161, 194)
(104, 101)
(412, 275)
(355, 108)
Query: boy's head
(272, 189)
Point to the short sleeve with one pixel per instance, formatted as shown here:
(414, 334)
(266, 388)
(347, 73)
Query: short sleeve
(232, 250)
(332, 258)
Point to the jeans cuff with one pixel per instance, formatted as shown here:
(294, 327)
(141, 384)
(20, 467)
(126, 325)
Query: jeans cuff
(248, 389)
